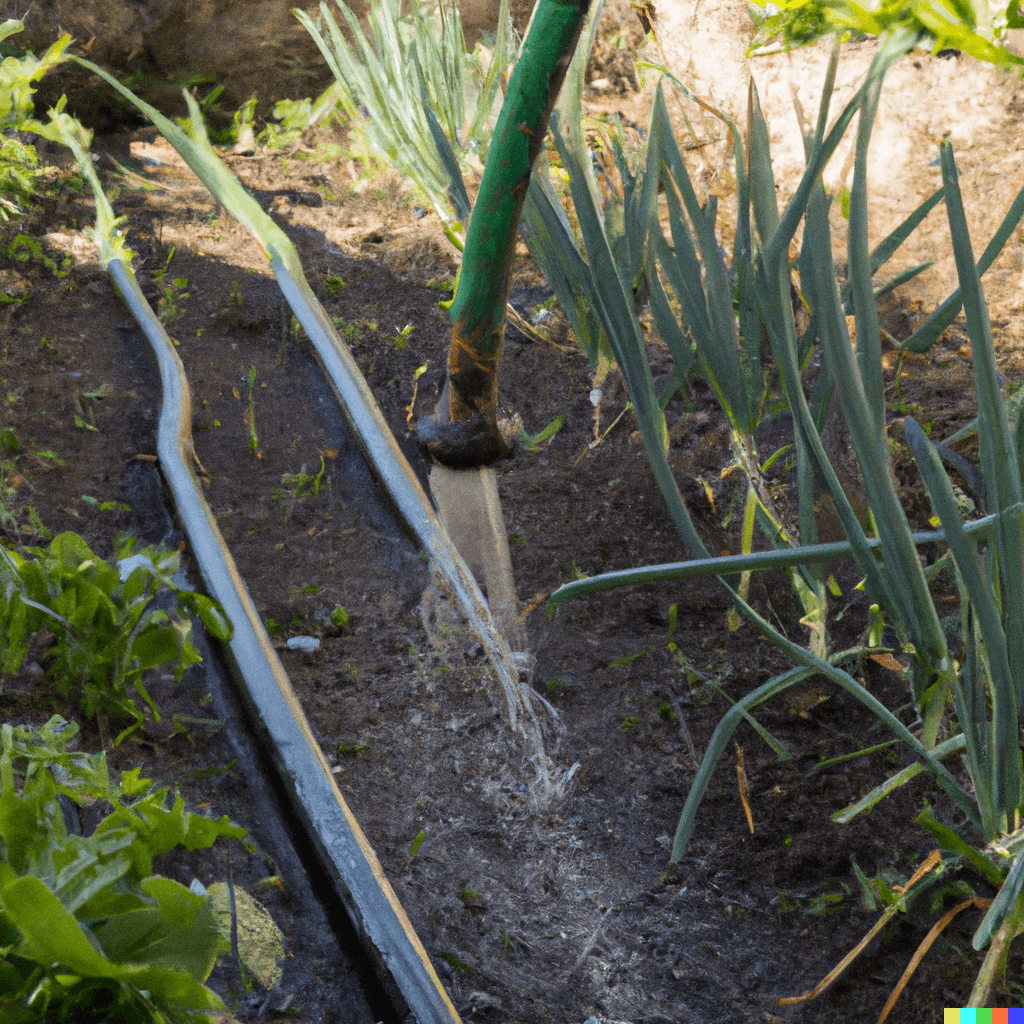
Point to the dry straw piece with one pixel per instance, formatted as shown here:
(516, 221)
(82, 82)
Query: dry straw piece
(932, 861)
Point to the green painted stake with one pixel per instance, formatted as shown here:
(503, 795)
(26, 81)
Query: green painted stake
(462, 432)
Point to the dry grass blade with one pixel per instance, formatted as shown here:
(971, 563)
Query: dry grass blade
(931, 862)
(836, 971)
(936, 931)
(741, 778)
(928, 864)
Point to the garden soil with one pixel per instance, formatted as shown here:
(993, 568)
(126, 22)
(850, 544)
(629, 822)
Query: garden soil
(531, 910)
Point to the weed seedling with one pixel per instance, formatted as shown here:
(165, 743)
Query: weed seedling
(414, 847)
(167, 307)
(402, 337)
(236, 298)
(297, 485)
(353, 750)
(420, 370)
(455, 963)
(351, 332)
(254, 443)
(333, 284)
(629, 658)
(105, 506)
(532, 444)
(35, 250)
(339, 617)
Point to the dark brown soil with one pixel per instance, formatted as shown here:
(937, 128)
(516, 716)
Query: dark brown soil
(531, 914)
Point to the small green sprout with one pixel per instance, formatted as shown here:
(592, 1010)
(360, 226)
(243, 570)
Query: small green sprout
(35, 250)
(414, 848)
(351, 749)
(167, 307)
(254, 443)
(297, 485)
(532, 444)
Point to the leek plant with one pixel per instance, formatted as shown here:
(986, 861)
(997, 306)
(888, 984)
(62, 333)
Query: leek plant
(722, 329)
(986, 557)
(411, 83)
(725, 319)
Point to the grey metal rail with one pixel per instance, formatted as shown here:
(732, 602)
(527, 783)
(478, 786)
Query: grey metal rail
(344, 849)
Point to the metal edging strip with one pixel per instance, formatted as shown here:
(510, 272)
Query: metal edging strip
(348, 856)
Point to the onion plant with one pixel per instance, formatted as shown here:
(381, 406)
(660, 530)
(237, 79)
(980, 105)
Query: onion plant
(412, 82)
(987, 686)
(721, 331)
(768, 270)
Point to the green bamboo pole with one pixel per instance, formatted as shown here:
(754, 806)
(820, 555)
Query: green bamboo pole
(462, 432)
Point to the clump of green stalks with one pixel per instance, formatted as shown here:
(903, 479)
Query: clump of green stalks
(727, 321)
(412, 83)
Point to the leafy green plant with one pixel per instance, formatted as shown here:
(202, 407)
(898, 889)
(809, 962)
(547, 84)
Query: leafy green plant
(89, 932)
(25, 247)
(19, 174)
(975, 29)
(294, 117)
(19, 162)
(106, 629)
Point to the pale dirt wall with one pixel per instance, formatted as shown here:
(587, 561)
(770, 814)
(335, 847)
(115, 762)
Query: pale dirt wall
(924, 97)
